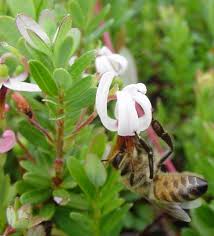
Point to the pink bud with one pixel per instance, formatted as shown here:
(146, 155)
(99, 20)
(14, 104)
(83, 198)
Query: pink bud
(7, 141)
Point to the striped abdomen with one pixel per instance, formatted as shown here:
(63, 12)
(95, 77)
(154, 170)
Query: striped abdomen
(178, 187)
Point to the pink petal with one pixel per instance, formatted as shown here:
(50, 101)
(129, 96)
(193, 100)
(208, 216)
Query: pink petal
(21, 86)
(7, 141)
(21, 77)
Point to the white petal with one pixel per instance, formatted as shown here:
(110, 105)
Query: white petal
(146, 119)
(104, 51)
(25, 23)
(72, 60)
(21, 86)
(102, 101)
(1, 85)
(103, 65)
(21, 77)
(127, 115)
(118, 62)
(134, 89)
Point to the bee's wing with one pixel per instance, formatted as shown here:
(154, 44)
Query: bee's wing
(173, 209)
(191, 204)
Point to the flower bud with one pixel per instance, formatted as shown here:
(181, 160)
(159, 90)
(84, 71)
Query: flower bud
(4, 72)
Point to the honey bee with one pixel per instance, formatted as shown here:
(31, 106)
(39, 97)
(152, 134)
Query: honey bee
(142, 174)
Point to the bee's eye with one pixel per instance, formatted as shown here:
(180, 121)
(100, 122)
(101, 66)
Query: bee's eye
(117, 160)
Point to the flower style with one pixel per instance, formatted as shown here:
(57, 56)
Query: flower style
(16, 82)
(7, 141)
(133, 111)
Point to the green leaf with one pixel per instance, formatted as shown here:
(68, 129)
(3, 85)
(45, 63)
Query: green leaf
(36, 180)
(39, 44)
(8, 32)
(94, 23)
(95, 171)
(97, 33)
(189, 232)
(76, 35)
(62, 31)
(38, 140)
(78, 16)
(43, 78)
(77, 172)
(22, 6)
(81, 64)
(35, 196)
(112, 220)
(77, 201)
(78, 88)
(63, 221)
(64, 52)
(202, 219)
(47, 211)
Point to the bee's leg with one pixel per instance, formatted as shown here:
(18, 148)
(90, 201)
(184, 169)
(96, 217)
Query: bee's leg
(149, 151)
(157, 127)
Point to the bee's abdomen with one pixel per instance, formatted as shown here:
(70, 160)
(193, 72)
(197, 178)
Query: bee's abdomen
(175, 187)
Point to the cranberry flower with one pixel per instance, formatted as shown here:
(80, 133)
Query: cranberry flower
(16, 82)
(133, 111)
(107, 61)
(7, 141)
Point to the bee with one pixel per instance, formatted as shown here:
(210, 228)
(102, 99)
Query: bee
(142, 174)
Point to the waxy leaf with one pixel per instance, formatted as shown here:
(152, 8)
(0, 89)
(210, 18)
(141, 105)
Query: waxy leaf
(39, 44)
(78, 173)
(95, 171)
(43, 78)
(64, 52)
(81, 64)
(35, 196)
(62, 31)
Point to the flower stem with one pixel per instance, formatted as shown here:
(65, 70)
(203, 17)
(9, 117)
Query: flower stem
(3, 92)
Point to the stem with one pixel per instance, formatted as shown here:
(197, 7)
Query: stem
(3, 92)
(27, 153)
(41, 129)
(60, 130)
(9, 230)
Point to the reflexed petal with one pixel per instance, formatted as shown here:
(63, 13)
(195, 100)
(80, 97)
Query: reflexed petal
(103, 65)
(102, 100)
(21, 77)
(146, 119)
(134, 89)
(107, 61)
(22, 86)
(7, 141)
(119, 63)
(25, 23)
(127, 114)
(104, 51)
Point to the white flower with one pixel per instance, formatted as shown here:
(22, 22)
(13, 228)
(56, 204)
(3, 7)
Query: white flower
(107, 61)
(25, 23)
(16, 82)
(133, 109)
